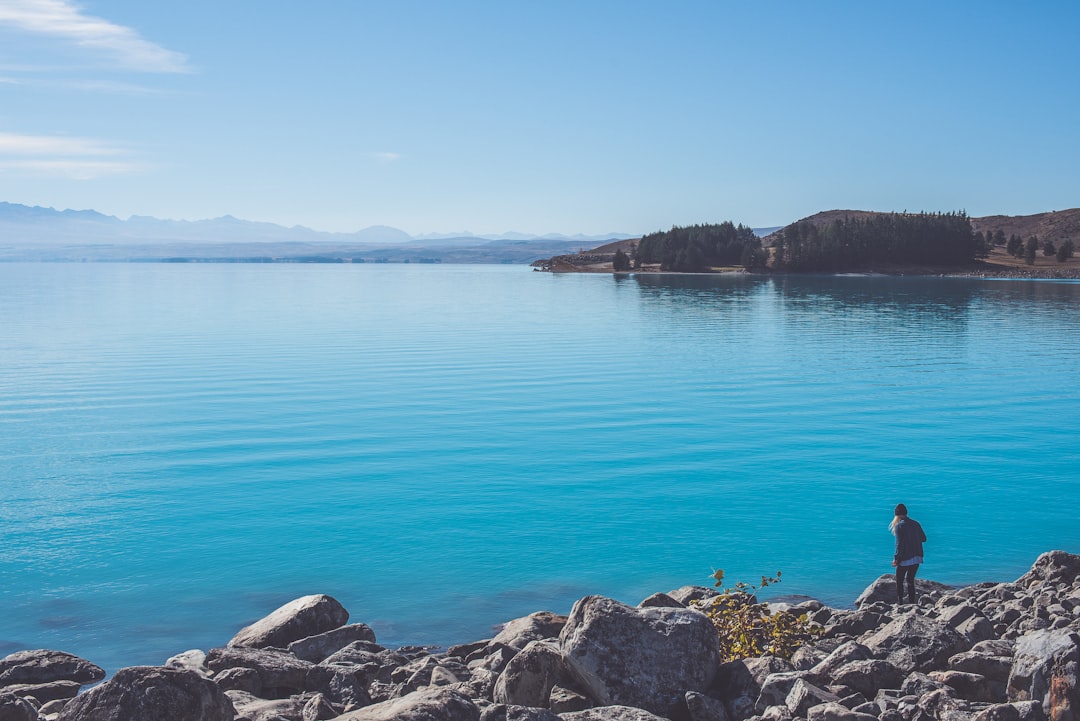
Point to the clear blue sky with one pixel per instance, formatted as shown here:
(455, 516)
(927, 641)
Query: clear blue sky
(538, 116)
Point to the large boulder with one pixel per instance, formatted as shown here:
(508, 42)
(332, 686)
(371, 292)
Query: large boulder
(316, 648)
(1054, 566)
(916, 643)
(503, 712)
(611, 713)
(16, 708)
(529, 677)
(642, 657)
(279, 673)
(520, 632)
(151, 692)
(1045, 668)
(429, 704)
(45, 666)
(884, 589)
(306, 616)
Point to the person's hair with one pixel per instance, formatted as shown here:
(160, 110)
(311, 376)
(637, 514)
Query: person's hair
(899, 513)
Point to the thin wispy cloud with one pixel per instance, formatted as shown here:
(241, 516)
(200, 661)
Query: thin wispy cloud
(66, 157)
(386, 157)
(65, 20)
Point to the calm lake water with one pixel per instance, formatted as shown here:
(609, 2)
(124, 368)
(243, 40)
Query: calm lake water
(185, 447)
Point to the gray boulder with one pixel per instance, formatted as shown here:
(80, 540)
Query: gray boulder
(1045, 669)
(611, 713)
(884, 589)
(503, 712)
(996, 668)
(868, 676)
(280, 673)
(647, 658)
(257, 709)
(916, 643)
(1016, 711)
(842, 655)
(45, 692)
(304, 617)
(151, 692)
(563, 700)
(193, 660)
(45, 666)
(16, 708)
(529, 677)
(1052, 566)
(520, 632)
(429, 704)
(971, 686)
(804, 696)
(661, 600)
(318, 647)
(339, 687)
(836, 712)
(705, 708)
(687, 594)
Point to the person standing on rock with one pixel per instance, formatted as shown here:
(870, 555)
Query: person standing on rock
(909, 554)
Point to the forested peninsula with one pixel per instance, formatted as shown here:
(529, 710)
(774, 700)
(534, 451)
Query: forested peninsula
(841, 241)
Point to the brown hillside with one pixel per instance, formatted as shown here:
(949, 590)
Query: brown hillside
(1057, 225)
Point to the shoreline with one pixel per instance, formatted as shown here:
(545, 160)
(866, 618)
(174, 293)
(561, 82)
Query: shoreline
(971, 651)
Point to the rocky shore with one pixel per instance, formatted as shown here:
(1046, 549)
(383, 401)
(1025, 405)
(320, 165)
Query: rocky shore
(988, 652)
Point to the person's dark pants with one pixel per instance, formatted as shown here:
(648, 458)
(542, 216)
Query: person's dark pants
(902, 573)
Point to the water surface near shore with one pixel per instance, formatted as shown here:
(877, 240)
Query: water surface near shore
(444, 448)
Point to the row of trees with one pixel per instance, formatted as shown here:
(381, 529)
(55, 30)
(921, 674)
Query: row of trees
(700, 247)
(1029, 249)
(939, 239)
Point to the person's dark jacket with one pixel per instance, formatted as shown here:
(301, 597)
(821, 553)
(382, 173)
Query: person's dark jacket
(909, 540)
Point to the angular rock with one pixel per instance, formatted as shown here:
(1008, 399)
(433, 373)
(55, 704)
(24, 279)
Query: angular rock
(503, 712)
(45, 666)
(855, 624)
(520, 632)
(836, 712)
(280, 673)
(647, 658)
(971, 686)
(661, 600)
(975, 629)
(193, 660)
(913, 642)
(1016, 711)
(687, 594)
(1053, 566)
(303, 617)
(337, 686)
(884, 589)
(705, 708)
(611, 713)
(776, 687)
(318, 647)
(45, 692)
(805, 695)
(285, 709)
(564, 700)
(806, 657)
(317, 708)
(151, 692)
(529, 677)
(996, 668)
(429, 704)
(493, 657)
(842, 655)
(240, 679)
(868, 676)
(746, 676)
(1046, 666)
(16, 708)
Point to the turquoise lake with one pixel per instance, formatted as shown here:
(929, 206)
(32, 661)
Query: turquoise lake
(445, 448)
